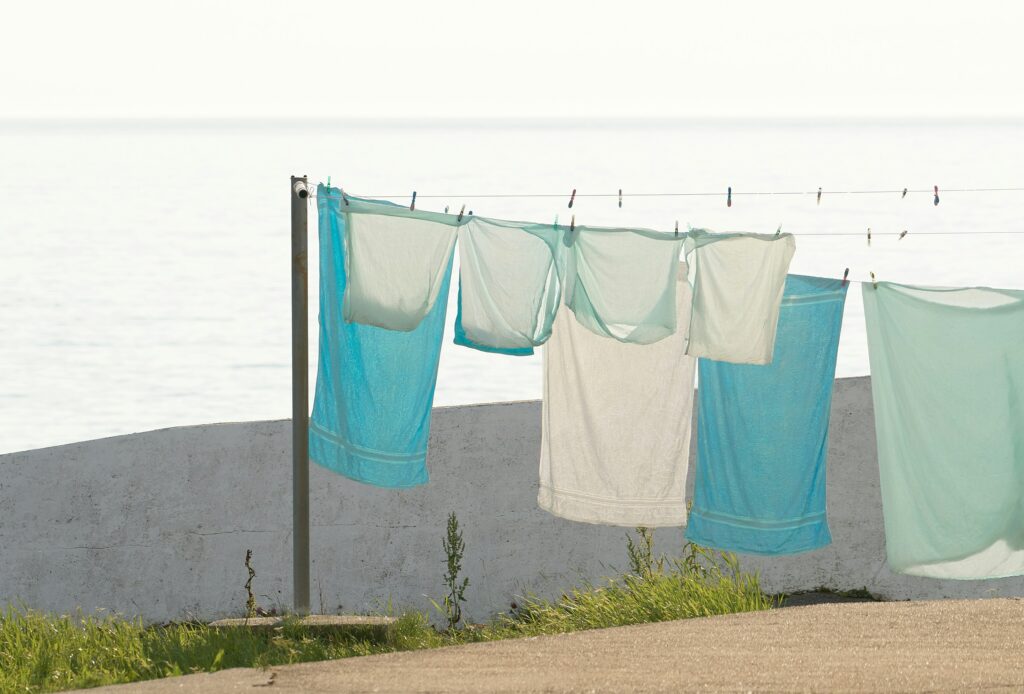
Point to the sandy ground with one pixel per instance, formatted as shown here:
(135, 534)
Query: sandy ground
(965, 645)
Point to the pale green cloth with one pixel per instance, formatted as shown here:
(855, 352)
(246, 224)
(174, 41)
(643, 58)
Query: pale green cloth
(621, 283)
(947, 377)
(396, 262)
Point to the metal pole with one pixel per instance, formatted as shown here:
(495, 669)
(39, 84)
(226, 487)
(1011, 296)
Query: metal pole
(300, 395)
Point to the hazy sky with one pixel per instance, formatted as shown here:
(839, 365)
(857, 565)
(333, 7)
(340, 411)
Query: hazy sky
(67, 58)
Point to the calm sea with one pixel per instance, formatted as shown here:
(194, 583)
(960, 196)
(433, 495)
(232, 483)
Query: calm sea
(144, 266)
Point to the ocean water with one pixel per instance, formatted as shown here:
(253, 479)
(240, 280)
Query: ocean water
(144, 266)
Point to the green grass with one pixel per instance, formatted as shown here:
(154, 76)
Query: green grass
(41, 652)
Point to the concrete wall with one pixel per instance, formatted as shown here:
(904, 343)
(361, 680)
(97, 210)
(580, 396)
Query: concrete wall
(157, 524)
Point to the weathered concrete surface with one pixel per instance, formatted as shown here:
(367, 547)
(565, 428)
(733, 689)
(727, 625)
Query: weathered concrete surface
(909, 646)
(157, 524)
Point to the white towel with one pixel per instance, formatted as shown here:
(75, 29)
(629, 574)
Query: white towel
(616, 424)
(737, 291)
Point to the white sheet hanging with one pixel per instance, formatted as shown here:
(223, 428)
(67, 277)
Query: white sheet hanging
(616, 424)
(395, 262)
(738, 281)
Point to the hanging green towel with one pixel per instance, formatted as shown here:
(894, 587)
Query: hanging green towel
(621, 283)
(509, 288)
(947, 378)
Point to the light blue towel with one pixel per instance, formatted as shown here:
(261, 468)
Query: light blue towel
(374, 387)
(763, 433)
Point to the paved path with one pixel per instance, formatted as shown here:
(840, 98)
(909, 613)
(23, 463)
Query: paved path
(893, 646)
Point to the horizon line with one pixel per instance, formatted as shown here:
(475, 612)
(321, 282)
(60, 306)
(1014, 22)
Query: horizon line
(506, 121)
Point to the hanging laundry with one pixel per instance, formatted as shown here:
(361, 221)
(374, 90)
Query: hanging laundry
(762, 433)
(616, 424)
(509, 287)
(397, 262)
(738, 280)
(621, 283)
(374, 387)
(947, 379)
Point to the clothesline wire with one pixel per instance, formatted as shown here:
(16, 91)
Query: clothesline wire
(725, 193)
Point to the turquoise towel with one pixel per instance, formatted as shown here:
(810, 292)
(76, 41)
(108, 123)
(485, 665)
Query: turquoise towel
(947, 380)
(374, 387)
(763, 433)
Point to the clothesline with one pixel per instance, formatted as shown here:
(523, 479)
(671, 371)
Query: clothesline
(725, 193)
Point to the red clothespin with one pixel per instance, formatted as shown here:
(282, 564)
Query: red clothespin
(936, 195)
(413, 205)
(819, 195)
(846, 273)
(572, 198)
(728, 198)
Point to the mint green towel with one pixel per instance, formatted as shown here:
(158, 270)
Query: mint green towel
(947, 377)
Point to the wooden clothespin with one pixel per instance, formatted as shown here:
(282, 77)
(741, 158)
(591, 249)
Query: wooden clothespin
(728, 197)
(902, 234)
(904, 194)
(936, 195)
(572, 198)
(461, 213)
(819, 195)
(620, 198)
(413, 205)
(846, 273)
(873, 281)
